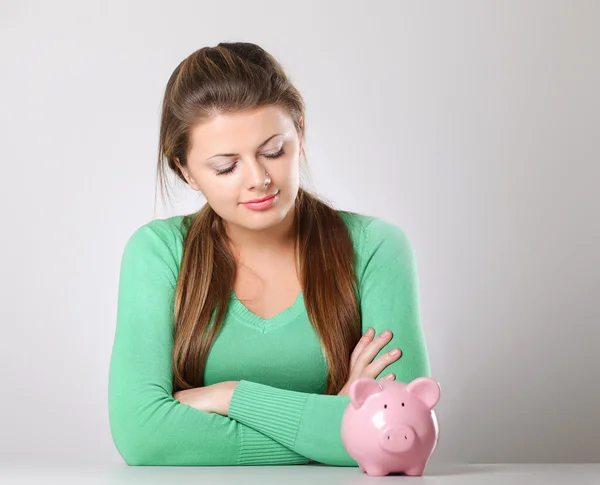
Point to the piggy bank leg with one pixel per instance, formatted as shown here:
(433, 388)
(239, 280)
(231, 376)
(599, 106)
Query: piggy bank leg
(376, 471)
(415, 471)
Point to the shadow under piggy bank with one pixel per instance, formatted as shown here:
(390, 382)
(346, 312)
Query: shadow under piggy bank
(390, 427)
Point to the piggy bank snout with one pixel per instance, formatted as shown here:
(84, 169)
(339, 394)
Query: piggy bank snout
(397, 439)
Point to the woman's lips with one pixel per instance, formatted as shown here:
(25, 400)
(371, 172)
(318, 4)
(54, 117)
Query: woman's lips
(264, 203)
(261, 199)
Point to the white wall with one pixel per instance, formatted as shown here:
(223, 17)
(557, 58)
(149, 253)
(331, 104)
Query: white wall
(473, 125)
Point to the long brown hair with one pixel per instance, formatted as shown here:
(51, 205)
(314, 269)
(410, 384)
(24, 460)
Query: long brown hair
(225, 79)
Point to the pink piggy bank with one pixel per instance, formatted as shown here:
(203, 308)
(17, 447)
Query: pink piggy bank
(390, 426)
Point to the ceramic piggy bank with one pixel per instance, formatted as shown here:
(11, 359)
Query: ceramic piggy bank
(390, 426)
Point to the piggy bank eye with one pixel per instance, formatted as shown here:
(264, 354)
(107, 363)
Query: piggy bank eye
(402, 404)
(385, 406)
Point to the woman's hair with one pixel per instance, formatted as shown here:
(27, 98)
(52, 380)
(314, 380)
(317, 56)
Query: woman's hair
(228, 78)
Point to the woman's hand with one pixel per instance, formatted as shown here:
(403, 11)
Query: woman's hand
(361, 360)
(211, 399)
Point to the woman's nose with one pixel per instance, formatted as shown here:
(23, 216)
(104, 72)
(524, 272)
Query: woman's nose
(257, 175)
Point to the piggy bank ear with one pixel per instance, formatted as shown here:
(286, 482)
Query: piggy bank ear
(361, 389)
(426, 389)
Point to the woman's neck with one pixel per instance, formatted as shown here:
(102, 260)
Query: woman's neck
(277, 239)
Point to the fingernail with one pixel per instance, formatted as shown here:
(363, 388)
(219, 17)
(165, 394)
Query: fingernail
(369, 332)
(385, 334)
(390, 376)
(394, 352)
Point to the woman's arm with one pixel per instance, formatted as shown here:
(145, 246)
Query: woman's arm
(148, 426)
(310, 424)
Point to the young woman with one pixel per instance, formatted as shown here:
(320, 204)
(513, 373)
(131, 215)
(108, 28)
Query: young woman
(241, 327)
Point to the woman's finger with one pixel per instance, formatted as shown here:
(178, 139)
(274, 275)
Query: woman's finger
(379, 364)
(365, 340)
(372, 349)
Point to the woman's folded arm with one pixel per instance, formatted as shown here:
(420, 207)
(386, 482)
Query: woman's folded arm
(148, 426)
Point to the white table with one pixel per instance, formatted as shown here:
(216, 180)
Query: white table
(512, 474)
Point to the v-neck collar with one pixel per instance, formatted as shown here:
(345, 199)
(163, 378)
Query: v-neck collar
(265, 324)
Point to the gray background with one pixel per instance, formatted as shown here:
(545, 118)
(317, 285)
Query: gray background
(472, 125)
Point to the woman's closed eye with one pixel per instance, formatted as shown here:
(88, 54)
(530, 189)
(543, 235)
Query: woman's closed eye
(231, 168)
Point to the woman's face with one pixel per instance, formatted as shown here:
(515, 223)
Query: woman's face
(230, 157)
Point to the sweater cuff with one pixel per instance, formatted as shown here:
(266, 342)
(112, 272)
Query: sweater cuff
(274, 412)
(256, 448)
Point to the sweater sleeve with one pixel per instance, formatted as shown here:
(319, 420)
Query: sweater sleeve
(148, 426)
(310, 424)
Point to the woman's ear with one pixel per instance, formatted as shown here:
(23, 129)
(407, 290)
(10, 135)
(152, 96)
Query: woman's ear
(188, 178)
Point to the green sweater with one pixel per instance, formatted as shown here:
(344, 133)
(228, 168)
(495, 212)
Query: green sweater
(278, 413)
